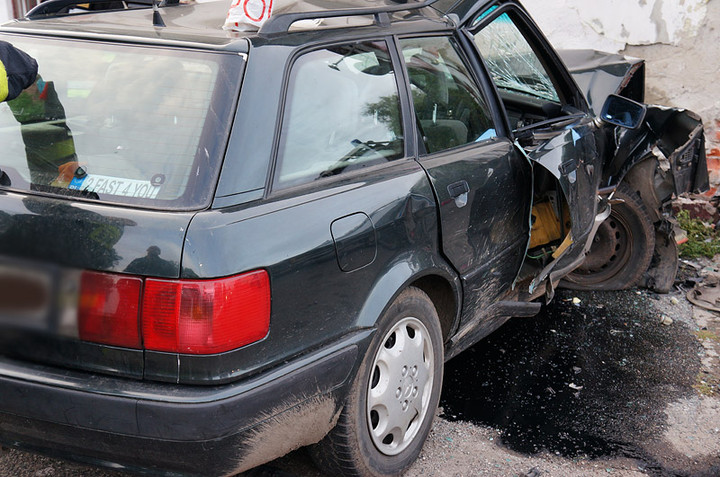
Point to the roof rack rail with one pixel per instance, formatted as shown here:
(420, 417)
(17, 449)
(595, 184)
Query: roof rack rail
(281, 23)
(55, 7)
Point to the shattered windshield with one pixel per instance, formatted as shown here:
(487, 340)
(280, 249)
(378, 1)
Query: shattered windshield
(117, 123)
(512, 62)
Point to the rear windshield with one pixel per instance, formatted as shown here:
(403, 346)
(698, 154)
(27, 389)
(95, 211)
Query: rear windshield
(119, 123)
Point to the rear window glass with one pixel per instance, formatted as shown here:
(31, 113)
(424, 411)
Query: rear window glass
(343, 113)
(119, 123)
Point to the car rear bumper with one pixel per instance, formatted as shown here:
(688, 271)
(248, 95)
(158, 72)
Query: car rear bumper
(162, 428)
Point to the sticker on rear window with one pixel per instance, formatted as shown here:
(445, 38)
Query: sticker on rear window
(115, 186)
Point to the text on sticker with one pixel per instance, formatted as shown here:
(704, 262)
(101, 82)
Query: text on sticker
(115, 186)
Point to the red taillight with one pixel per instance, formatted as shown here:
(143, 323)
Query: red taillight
(161, 309)
(108, 309)
(206, 316)
(197, 316)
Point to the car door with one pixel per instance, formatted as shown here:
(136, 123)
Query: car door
(549, 118)
(482, 183)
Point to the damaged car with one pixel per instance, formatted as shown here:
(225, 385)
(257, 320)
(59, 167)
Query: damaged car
(217, 247)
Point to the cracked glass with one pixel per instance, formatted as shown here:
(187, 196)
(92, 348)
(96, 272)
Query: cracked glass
(513, 64)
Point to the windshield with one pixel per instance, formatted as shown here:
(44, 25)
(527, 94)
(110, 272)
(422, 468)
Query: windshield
(119, 123)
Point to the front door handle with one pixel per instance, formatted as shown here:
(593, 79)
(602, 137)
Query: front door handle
(568, 166)
(456, 189)
(459, 192)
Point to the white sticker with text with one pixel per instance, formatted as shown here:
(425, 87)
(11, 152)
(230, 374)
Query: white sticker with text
(115, 186)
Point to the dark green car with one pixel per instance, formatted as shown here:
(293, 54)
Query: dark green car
(217, 247)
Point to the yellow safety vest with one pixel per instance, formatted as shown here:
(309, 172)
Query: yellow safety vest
(3, 82)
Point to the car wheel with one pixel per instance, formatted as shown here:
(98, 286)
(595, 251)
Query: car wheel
(390, 408)
(621, 250)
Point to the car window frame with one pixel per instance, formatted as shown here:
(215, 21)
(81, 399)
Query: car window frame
(569, 93)
(273, 187)
(478, 73)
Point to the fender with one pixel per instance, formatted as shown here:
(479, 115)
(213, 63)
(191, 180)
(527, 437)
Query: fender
(665, 156)
(675, 136)
(403, 272)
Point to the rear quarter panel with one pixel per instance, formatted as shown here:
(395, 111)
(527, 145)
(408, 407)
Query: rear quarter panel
(314, 301)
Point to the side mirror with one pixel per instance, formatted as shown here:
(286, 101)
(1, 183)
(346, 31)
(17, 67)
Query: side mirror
(623, 112)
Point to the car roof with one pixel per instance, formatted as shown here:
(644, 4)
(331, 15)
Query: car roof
(199, 25)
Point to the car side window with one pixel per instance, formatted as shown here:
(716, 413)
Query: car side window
(342, 113)
(450, 110)
(527, 89)
(513, 64)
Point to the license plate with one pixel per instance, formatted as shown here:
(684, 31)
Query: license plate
(25, 296)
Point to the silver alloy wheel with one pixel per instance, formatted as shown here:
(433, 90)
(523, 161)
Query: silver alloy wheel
(400, 386)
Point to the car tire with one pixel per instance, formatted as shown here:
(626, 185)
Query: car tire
(621, 250)
(391, 405)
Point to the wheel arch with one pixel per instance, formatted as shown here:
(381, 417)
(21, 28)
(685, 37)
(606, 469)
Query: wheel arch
(445, 299)
(655, 187)
(652, 185)
(427, 272)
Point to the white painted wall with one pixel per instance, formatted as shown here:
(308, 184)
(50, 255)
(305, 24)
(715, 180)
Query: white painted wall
(679, 39)
(5, 11)
(610, 25)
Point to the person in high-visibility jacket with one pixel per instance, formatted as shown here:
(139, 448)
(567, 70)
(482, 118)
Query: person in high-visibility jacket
(36, 106)
(18, 70)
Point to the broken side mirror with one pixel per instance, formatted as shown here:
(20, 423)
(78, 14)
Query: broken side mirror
(624, 112)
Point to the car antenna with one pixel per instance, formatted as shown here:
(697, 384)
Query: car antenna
(157, 19)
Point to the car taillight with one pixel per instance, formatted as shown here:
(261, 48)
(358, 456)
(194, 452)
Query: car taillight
(108, 309)
(206, 316)
(180, 316)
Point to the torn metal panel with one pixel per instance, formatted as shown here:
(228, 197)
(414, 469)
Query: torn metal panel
(675, 137)
(567, 154)
(675, 134)
(600, 74)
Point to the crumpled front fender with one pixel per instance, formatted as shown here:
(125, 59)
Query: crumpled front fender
(665, 156)
(674, 137)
